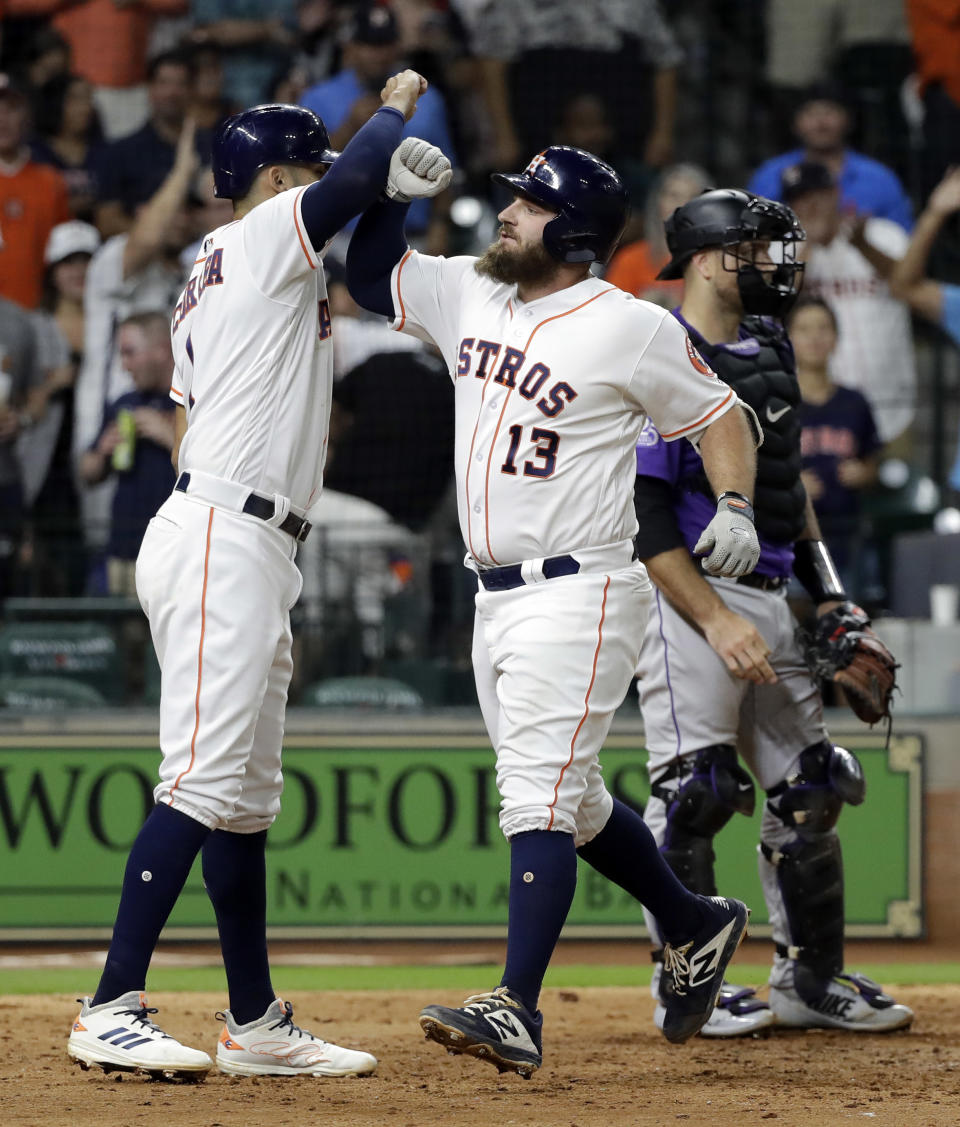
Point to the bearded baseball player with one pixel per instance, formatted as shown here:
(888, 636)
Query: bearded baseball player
(216, 577)
(737, 256)
(554, 372)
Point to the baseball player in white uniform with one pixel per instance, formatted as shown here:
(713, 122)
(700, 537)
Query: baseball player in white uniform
(554, 373)
(216, 577)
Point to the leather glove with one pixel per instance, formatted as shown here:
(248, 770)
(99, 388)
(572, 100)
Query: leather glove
(730, 538)
(418, 170)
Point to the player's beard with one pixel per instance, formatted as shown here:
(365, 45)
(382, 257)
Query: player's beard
(525, 266)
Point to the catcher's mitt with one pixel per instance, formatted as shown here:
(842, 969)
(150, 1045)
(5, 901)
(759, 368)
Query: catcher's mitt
(842, 648)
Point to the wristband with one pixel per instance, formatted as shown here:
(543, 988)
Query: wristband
(814, 567)
(735, 502)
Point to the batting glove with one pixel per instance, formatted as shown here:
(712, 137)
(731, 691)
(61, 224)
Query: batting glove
(730, 538)
(418, 170)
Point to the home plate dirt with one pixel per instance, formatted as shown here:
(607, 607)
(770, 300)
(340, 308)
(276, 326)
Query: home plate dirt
(604, 1066)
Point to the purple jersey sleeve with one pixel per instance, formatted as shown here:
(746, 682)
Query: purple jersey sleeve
(681, 465)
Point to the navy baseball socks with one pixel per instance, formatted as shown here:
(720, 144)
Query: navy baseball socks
(504, 1026)
(235, 876)
(157, 869)
(114, 1030)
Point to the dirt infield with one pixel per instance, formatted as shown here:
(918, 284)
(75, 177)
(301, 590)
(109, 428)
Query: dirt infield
(604, 1066)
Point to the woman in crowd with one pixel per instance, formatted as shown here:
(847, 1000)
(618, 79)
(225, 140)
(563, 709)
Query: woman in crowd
(634, 267)
(67, 132)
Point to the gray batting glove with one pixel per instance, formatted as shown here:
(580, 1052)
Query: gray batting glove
(418, 170)
(730, 538)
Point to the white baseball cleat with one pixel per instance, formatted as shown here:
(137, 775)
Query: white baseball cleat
(850, 1001)
(738, 1012)
(274, 1046)
(119, 1035)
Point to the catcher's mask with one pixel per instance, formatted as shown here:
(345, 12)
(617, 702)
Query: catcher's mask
(762, 236)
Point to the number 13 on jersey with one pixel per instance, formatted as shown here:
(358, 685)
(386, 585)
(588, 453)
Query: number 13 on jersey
(546, 441)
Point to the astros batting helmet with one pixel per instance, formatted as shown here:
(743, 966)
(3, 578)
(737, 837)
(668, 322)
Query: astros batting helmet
(263, 135)
(725, 217)
(587, 194)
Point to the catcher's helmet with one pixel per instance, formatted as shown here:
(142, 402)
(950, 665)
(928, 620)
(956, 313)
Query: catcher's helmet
(262, 135)
(586, 192)
(724, 217)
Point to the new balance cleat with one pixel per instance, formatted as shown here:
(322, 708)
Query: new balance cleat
(273, 1046)
(693, 971)
(849, 1001)
(119, 1036)
(495, 1027)
(737, 1013)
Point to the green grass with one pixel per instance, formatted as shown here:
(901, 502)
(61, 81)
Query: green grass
(469, 979)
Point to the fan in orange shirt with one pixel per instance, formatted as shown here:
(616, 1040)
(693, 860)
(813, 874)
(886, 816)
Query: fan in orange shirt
(634, 268)
(33, 200)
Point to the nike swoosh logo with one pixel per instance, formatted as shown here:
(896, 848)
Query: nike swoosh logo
(774, 415)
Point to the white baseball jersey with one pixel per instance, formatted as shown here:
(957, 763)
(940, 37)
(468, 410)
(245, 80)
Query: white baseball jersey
(253, 355)
(550, 399)
(253, 362)
(874, 350)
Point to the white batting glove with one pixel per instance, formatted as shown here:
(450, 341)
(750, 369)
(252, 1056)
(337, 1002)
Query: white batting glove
(418, 170)
(730, 538)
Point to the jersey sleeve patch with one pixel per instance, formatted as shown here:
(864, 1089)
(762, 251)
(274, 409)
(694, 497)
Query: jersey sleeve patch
(698, 361)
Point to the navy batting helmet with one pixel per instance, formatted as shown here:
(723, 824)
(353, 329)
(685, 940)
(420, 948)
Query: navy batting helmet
(263, 135)
(588, 196)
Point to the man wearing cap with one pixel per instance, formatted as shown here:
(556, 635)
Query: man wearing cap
(33, 199)
(848, 263)
(822, 124)
(344, 102)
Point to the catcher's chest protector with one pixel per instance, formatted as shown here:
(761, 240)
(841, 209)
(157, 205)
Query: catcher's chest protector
(760, 369)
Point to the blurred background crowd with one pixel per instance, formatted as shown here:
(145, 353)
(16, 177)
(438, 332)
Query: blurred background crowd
(849, 110)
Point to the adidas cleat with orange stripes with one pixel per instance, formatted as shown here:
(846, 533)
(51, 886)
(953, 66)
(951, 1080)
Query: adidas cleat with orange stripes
(273, 1046)
(119, 1036)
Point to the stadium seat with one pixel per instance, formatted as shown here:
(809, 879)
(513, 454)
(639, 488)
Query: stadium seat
(47, 694)
(363, 692)
(80, 652)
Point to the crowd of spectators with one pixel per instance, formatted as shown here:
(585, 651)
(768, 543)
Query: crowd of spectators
(850, 112)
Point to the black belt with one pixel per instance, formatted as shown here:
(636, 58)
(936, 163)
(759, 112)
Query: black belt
(263, 509)
(506, 578)
(763, 582)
